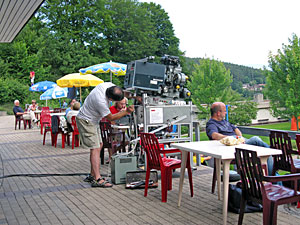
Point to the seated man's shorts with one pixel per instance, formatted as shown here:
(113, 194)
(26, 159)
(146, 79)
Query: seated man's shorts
(89, 133)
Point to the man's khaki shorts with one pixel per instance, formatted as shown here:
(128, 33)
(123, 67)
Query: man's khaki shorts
(90, 136)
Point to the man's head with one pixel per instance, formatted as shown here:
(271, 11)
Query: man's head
(218, 111)
(76, 106)
(121, 104)
(33, 102)
(114, 93)
(71, 103)
(16, 102)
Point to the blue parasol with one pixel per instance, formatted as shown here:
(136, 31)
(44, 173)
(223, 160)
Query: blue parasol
(42, 86)
(54, 93)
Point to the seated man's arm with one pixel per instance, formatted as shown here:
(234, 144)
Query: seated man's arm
(238, 132)
(217, 136)
(212, 131)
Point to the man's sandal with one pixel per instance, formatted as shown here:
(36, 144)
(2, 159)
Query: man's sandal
(89, 179)
(101, 182)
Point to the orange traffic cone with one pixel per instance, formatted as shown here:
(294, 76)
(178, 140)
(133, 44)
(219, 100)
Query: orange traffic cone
(293, 124)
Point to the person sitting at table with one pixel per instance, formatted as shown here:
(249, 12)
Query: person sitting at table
(71, 103)
(18, 111)
(65, 104)
(119, 106)
(33, 106)
(73, 112)
(217, 128)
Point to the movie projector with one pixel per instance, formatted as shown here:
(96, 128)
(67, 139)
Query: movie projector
(164, 80)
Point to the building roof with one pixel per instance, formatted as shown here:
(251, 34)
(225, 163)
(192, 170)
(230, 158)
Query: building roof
(14, 15)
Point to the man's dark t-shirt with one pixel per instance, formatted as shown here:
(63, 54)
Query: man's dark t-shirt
(17, 109)
(222, 127)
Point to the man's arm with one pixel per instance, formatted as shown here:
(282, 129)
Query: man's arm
(217, 136)
(129, 95)
(113, 117)
(238, 132)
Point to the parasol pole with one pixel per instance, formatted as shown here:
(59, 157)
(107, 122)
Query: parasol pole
(80, 95)
(110, 73)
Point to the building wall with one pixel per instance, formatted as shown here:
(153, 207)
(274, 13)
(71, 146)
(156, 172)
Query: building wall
(264, 114)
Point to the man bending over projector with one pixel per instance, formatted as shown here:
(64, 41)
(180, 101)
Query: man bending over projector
(96, 107)
(217, 128)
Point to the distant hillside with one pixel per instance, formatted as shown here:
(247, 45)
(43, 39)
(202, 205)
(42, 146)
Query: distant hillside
(241, 75)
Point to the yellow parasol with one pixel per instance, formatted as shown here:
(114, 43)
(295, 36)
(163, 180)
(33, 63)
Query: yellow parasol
(78, 80)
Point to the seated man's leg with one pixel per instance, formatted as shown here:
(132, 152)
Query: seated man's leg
(257, 141)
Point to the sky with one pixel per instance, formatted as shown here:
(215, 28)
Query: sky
(242, 32)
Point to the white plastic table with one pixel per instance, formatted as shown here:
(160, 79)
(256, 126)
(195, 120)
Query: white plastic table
(221, 153)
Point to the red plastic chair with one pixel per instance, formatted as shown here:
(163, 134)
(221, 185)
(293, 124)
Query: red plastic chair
(47, 127)
(156, 159)
(258, 188)
(44, 112)
(75, 133)
(64, 136)
(19, 119)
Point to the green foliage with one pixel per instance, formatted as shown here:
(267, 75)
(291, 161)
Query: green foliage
(241, 113)
(210, 82)
(283, 80)
(240, 75)
(12, 89)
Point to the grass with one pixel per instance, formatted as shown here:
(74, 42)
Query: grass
(8, 107)
(276, 126)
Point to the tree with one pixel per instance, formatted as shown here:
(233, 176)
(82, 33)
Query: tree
(283, 80)
(210, 82)
(241, 113)
(64, 36)
(164, 32)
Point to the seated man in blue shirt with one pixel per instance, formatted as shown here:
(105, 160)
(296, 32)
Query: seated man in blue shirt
(18, 111)
(217, 128)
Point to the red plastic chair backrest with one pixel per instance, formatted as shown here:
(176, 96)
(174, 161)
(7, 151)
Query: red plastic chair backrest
(152, 148)
(45, 108)
(74, 125)
(46, 118)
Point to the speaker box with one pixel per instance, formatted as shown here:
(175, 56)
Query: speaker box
(120, 164)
